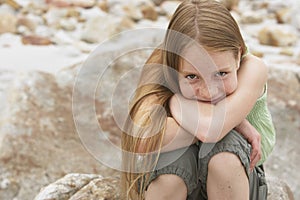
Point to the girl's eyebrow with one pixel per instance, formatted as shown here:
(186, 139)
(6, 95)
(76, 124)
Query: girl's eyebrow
(189, 72)
(224, 68)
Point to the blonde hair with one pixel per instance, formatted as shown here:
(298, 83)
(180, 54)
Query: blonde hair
(208, 23)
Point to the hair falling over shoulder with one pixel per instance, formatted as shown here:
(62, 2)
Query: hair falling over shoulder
(144, 128)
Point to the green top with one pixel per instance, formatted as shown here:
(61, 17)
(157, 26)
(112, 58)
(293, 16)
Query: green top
(261, 119)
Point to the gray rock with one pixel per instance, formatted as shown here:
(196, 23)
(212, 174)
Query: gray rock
(38, 138)
(67, 186)
(81, 187)
(98, 29)
(278, 190)
(89, 186)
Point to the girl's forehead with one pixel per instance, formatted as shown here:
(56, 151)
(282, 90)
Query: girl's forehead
(200, 58)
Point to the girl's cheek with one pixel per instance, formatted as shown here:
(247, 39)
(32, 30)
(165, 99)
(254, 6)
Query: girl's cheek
(231, 87)
(187, 91)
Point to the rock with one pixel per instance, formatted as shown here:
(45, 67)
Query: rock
(44, 31)
(54, 15)
(281, 79)
(36, 40)
(287, 51)
(73, 12)
(99, 188)
(68, 24)
(298, 59)
(25, 21)
(91, 186)
(83, 3)
(159, 2)
(62, 38)
(38, 139)
(149, 12)
(283, 15)
(103, 5)
(8, 23)
(37, 8)
(257, 53)
(81, 186)
(251, 18)
(13, 4)
(278, 189)
(230, 4)
(99, 28)
(10, 186)
(132, 12)
(169, 7)
(69, 3)
(68, 186)
(276, 36)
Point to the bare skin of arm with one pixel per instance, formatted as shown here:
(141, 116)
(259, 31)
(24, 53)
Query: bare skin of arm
(254, 138)
(203, 119)
(175, 136)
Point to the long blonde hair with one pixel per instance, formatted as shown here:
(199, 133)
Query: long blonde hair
(208, 23)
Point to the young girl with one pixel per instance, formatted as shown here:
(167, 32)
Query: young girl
(226, 89)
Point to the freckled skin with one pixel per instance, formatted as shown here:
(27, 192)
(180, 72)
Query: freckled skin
(208, 77)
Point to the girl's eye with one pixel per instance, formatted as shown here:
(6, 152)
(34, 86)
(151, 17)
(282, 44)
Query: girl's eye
(221, 74)
(191, 77)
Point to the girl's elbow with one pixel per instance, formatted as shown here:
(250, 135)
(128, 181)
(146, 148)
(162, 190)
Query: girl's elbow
(202, 136)
(205, 137)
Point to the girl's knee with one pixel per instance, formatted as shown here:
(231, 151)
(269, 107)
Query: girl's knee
(167, 186)
(227, 177)
(225, 163)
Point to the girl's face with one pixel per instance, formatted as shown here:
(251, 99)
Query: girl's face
(207, 76)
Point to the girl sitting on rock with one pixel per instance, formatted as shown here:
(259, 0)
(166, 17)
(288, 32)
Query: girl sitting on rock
(201, 98)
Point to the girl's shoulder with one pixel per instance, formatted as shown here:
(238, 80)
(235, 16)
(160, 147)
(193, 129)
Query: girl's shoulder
(255, 63)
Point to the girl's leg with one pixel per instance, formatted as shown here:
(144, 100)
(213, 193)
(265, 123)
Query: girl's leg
(165, 187)
(176, 176)
(227, 178)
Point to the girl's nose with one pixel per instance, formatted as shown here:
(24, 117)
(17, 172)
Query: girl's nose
(208, 93)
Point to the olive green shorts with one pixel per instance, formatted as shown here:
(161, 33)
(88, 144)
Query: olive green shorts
(191, 164)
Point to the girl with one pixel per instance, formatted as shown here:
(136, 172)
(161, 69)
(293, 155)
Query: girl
(224, 171)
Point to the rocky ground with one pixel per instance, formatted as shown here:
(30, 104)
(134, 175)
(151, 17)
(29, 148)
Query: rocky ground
(39, 140)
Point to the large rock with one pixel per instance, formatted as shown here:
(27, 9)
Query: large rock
(81, 187)
(278, 189)
(283, 98)
(287, 80)
(89, 186)
(39, 141)
(98, 29)
(8, 23)
(277, 36)
(38, 138)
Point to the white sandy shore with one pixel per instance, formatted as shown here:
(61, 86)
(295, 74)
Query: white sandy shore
(15, 56)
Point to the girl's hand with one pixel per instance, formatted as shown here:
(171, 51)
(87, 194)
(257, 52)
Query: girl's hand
(254, 138)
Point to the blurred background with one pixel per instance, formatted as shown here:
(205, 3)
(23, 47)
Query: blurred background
(45, 43)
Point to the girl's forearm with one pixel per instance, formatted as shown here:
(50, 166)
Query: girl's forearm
(176, 137)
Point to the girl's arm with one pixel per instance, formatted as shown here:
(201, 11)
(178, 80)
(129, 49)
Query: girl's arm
(253, 137)
(209, 122)
(176, 137)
